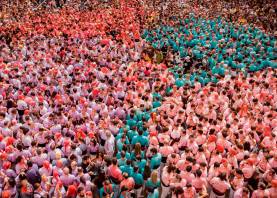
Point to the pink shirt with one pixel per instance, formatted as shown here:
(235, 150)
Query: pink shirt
(129, 183)
(181, 165)
(238, 193)
(201, 139)
(219, 185)
(166, 150)
(248, 171)
(260, 193)
(273, 163)
(173, 160)
(238, 182)
(273, 192)
(189, 192)
(199, 183)
(115, 172)
(167, 177)
(189, 177)
(67, 179)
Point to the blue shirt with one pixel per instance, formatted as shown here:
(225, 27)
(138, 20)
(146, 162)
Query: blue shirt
(138, 178)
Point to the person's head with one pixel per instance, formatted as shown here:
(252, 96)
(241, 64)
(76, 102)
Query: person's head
(29, 164)
(239, 172)
(66, 171)
(108, 134)
(11, 182)
(245, 192)
(86, 159)
(136, 169)
(189, 185)
(81, 191)
(20, 159)
(59, 163)
(129, 162)
(71, 191)
(106, 182)
(125, 175)
(73, 164)
(154, 151)
(171, 168)
(137, 149)
(216, 165)
(222, 176)
(122, 154)
(58, 155)
(198, 173)
(37, 186)
(46, 164)
(178, 190)
(188, 168)
(114, 161)
(154, 176)
(22, 176)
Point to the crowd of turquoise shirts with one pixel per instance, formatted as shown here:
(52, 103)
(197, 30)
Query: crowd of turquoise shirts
(134, 124)
(211, 40)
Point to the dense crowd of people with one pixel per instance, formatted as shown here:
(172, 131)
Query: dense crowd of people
(214, 46)
(129, 101)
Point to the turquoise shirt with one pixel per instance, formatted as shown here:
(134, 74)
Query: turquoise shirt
(120, 144)
(138, 178)
(133, 155)
(121, 162)
(131, 122)
(127, 155)
(155, 161)
(131, 134)
(127, 169)
(179, 82)
(149, 184)
(140, 139)
(141, 164)
(156, 104)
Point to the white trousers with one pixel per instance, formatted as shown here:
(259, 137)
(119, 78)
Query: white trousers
(165, 191)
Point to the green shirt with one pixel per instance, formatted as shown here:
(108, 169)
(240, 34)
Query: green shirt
(138, 178)
(155, 161)
(127, 169)
(149, 184)
(179, 82)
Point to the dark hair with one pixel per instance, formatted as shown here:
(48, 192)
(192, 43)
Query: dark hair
(122, 154)
(198, 172)
(222, 176)
(239, 171)
(18, 159)
(11, 182)
(22, 176)
(188, 168)
(36, 186)
(147, 172)
(80, 189)
(216, 164)
(136, 168)
(29, 164)
(178, 190)
(114, 161)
